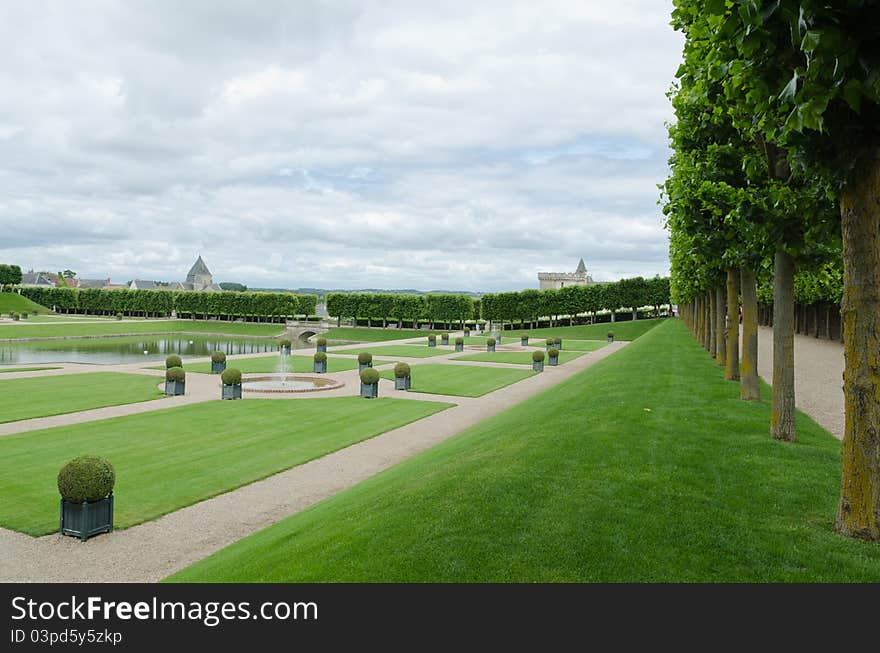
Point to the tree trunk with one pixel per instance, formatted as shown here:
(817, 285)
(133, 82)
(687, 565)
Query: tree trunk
(858, 514)
(750, 388)
(707, 312)
(612, 317)
(731, 363)
(828, 321)
(721, 334)
(635, 314)
(782, 418)
(713, 324)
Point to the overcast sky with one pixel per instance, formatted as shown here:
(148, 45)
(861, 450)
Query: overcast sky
(412, 144)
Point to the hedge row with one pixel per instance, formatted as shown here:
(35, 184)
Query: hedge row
(431, 308)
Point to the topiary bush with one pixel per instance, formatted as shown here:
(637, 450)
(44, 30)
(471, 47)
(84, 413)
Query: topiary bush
(24, 315)
(538, 356)
(610, 334)
(445, 336)
(15, 317)
(365, 358)
(490, 341)
(370, 376)
(218, 357)
(231, 376)
(459, 340)
(119, 316)
(320, 357)
(432, 338)
(524, 336)
(553, 352)
(549, 342)
(86, 478)
(557, 341)
(401, 370)
(322, 341)
(467, 332)
(173, 361)
(284, 343)
(175, 374)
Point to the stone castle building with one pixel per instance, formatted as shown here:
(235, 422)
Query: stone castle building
(579, 277)
(199, 278)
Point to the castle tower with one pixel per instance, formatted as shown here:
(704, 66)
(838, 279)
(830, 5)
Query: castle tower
(549, 280)
(199, 275)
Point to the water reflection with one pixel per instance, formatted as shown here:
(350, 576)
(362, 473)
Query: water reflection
(110, 351)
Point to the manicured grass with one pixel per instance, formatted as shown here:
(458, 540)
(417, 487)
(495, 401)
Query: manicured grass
(133, 327)
(26, 369)
(404, 351)
(461, 380)
(270, 364)
(622, 330)
(353, 334)
(646, 467)
(55, 395)
(516, 357)
(169, 459)
(573, 345)
(13, 302)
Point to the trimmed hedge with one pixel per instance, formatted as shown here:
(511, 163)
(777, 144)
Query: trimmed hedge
(218, 357)
(490, 341)
(284, 343)
(322, 341)
(173, 361)
(370, 376)
(365, 357)
(86, 478)
(231, 376)
(320, 357)
(538, 356)
(553, 352)
(401, 370)
(459, 340)
(175, 374)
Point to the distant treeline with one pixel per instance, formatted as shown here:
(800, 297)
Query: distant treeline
(160, 303)
(382, 307)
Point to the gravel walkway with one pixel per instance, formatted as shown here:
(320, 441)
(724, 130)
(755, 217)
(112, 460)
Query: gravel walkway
(153, 550)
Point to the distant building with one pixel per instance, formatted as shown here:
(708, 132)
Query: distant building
(198, 279)
(91, 283)
(579, 277)
(141, 284)
(38, 280)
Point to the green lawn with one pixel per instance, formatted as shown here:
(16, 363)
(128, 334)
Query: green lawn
(113, 327)
(622, 330)
(13, 302)
(41, 396)
(645, 468)
(404, 351)
(257, 365)
(572, 345)
(26, 369)
(461, 380)
(515, 357)
(351, 334)
(169, 459)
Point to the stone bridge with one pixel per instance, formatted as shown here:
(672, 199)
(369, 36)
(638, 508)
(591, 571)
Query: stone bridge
(302, 330)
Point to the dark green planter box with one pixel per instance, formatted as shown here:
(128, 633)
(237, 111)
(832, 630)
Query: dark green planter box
(524, 342)
(175, 388)
(432, 343)
(444, 341)
(459, 347)
(362, 367)
(402, 382)
(285, 351)
(490, 348)
(369, 390)
(83, 520)
(553, 360)
(558, 345)
(231, 391)
(538, 366)
(217, 368)
(319, 368)
(611, 339)
(322, 348)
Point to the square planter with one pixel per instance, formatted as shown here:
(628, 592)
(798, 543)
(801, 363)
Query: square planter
(217, 368)
(490, 348)
(362, 367)
(319, 368)
(231, 391)
(444, 341)
(402, 382)
(432, 343)
(553, 360)
(538, 366)
(611, 339)
(370, 390)
(558, 346)
(175, 388)
(285, 351)
(83, 520)
(459, 347)
(524, 342)
(322, 348)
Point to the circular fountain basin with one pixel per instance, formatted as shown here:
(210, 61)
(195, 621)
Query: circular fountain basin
(287, 383)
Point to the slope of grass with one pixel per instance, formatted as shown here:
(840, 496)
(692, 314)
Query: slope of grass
(515, 357)
(460, 380)
(404, 351)
(169, 459)
(572, 345)
(26, 369)
(622, 330)
(41, 396)
(352, 334)
(265, 364)
(646, 467)
(133, 327)
(13, 302)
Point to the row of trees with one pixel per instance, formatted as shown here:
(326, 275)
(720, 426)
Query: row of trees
(529, 305)
(162, 302)
(434, 307)
(776, 170)
(9, 275)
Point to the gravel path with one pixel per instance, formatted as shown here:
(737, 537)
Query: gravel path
(818, 377)
(153, 550)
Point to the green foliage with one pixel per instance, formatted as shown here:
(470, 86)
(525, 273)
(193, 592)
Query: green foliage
(86, 478)
(284, 343)
(490, 342)
(553, 352)
(401, 370)
(322, 342)
(231, 376)
(320, 357)
(524, 336)
(365, 357)
(549, 342)
(610, 334)
(10, 275)
(218, 357)
(432, 338)
(370, 376)
(234, 287)
(175, 374)
(538, 356)
(459, 340)
(173, 361)
(556, 341)
(433, 307)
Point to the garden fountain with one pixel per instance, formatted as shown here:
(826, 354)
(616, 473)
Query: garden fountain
(284, 380)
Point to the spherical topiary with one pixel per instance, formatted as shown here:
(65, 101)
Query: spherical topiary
(432, 338)
(231, 376)
(553, 352)
(322, 342)
(173, 361)
(320, 357)
(538, 356)
(175, 374)
(445, 336)
(524, 336)
(549, 341)
(369, 376)
(610, 334)
(557, 341)
(365, 358)
(86, 478)
(459, 340)
(218, 357)
(401, 370)
(490, 341)
(284, 343)
(119, 316)
(467, 331)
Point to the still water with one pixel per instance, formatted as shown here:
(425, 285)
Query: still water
(130, 349)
